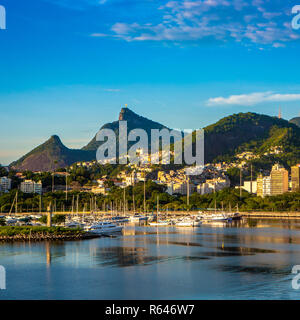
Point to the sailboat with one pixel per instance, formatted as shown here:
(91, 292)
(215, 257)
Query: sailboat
(235, 215)
(217, 216)
(158, 222)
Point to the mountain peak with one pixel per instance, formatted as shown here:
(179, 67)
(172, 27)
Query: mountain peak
(51, 155)
(134, 121)
(55, 138)
(126, 114)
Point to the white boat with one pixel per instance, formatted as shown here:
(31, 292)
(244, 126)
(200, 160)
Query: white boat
(35, 216)
(73, 224)
(10, 220)
(119, 219)
(105, 228)
(138, 217)
(188, 223)
(159, 223)
(217, 217)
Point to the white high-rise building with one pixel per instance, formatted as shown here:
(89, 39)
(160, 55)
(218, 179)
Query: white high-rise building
(263, 186)
(29, 186)
(5, 184)
(250, 186)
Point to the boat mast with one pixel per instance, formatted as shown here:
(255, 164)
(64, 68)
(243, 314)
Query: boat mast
(17, 202)
(133, 201)
(73, 204)
(157, 206)
(12, 204)
(124, 200)
(215, 194)
(66, 186)
(188, 191)
(77, 204)
(144, 193)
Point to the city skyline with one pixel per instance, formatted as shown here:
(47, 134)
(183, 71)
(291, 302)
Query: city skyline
(185, 64)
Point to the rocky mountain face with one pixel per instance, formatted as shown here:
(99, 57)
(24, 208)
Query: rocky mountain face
(230, 135)
(134, 121)
(51, 155)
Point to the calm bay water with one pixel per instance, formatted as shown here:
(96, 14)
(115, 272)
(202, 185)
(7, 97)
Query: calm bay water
(251, 259)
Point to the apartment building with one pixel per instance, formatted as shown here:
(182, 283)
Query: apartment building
(29, 186)
(5, 184)
(263, 185)
(250, 186)
(295, 173)
(279, 180)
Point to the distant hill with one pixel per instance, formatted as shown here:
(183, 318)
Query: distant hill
(251, 132)
(134, 121)
(51, 155)
(296, 121)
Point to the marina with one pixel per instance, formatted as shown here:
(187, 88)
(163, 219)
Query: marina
(109, 224)
(244, 259)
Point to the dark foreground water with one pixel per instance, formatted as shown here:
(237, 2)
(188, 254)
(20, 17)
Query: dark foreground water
(252, 259)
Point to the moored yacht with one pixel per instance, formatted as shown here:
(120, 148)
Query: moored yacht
(105, 228)
(138, 217)
(119, 219)
(188, 223)
(217, 217)
(74, 224)
(159, 223)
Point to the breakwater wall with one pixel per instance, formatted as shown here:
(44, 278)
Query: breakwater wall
(47, 237)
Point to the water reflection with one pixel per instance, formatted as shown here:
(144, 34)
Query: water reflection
(246, 250)
(270, 270)
(124, 256)
(166, 262)
(48, 253)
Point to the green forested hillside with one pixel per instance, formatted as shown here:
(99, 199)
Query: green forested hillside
(296, 121)
(252, 132)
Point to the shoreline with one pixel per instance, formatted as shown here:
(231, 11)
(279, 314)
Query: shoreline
(26, 233)
(284, 215)
(248, 214)
(48, 237)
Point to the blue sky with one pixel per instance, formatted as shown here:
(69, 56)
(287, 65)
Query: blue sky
(67, 66)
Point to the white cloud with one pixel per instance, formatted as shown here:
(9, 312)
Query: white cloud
(98, 35)
(253, 98)
(194, 20)
(278, 45)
